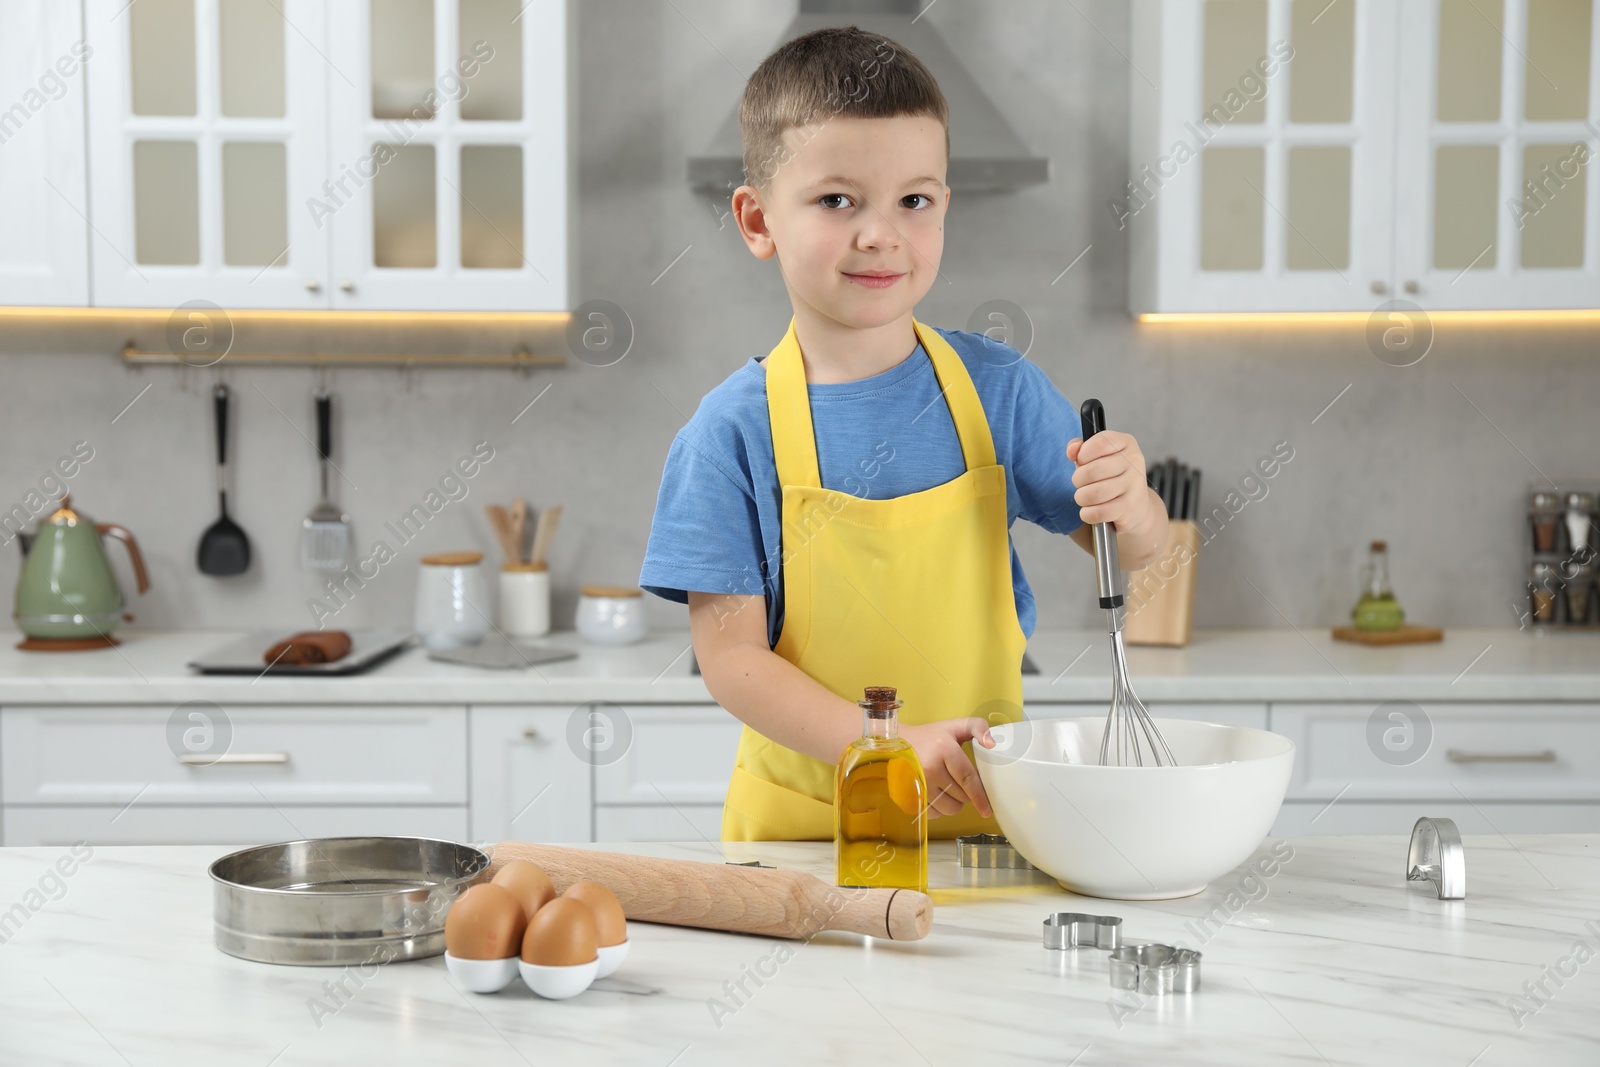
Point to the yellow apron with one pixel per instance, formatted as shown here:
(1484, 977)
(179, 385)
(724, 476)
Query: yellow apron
(912, 591)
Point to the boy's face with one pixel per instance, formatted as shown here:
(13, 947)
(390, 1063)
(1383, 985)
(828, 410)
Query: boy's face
(854, 197)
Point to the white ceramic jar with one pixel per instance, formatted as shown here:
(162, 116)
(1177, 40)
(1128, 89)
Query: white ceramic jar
(611, 614)
(524, 599)
(453, 607)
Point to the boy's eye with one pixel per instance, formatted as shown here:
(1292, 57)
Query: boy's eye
(826, 197)
(917, 196)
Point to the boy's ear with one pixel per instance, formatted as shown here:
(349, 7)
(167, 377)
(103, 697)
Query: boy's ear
(752, 220)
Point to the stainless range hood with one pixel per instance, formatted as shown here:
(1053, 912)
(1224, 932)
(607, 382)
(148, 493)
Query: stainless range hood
(986, 155)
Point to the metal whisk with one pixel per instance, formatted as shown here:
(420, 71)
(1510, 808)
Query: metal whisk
(1130, 732)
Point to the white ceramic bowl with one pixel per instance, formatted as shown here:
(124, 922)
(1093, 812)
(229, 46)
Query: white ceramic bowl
(1134, 833)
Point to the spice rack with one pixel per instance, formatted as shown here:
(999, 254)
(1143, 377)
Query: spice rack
(1563, 536)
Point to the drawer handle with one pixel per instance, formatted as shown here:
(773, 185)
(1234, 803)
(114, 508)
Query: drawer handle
(1455, 755)
(531, 733)
(201, 759)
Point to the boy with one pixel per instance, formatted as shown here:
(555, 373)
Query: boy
(838, 515)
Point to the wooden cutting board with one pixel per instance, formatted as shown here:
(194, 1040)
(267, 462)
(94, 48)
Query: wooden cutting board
(1406, 635)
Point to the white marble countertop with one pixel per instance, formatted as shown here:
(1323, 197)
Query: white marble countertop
(1334, 959)
(1074, 665)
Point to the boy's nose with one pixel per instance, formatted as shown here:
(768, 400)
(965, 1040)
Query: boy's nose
(877, 232)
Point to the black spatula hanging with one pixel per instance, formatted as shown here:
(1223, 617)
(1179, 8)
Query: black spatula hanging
(224, 548)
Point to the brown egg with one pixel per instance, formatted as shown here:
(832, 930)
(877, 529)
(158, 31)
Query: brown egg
(528, 883)
(608, 917)
(561, 934)
(485, 923)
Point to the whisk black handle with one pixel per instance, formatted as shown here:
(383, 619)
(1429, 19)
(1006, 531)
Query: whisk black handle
(1108, 568)
(1093, 415)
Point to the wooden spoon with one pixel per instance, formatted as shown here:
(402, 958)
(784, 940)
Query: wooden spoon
(545, 532)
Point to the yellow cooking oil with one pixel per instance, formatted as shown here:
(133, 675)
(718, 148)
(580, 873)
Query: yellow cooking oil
(881, 803)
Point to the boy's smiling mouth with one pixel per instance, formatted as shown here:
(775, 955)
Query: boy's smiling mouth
(875, 279)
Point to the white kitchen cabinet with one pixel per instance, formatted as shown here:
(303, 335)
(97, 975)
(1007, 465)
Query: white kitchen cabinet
(1498, 189)
(1445, 752)
(450, 170)
(1253, 716)
(667, 777)
(1305, 818)
(152, 825)
(677, 754)
(203, 755)
(1383, 157)
(1261, 170)
(640, 822)
(207, 134)
(530, 782)
(44, 249)
(311, 154)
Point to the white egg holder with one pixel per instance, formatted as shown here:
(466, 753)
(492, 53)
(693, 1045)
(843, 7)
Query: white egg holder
(552, 983)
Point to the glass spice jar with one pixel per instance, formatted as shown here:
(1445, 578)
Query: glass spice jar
(1579, 595)
(1542, 586)
(1544, 513)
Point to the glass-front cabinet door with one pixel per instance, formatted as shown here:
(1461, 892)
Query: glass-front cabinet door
(206, 130)
(44, 252)
(1499, 202)
(448, 179)
(1263, 144)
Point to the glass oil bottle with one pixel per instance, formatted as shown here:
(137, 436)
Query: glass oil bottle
(1377, 609)
(881, 803)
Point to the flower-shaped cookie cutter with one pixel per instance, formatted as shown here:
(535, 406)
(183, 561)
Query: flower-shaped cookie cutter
(1155, 970)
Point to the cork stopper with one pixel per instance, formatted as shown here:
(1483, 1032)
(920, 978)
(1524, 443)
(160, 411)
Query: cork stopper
(880, 701)
(1379, 546)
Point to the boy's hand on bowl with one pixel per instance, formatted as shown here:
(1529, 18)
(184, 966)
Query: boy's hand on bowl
(952, 779)
(1110, 477)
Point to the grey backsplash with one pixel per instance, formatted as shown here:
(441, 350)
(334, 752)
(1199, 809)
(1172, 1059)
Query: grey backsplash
(1403, 454)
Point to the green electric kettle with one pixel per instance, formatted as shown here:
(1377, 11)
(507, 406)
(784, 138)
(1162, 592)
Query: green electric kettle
(67, 588)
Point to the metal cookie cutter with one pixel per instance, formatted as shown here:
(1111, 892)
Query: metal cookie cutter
(1436, 856)
(1072, 929)
(1155, 969)
(989, 850)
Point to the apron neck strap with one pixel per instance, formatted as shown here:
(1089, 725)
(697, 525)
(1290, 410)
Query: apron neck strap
(794, 445)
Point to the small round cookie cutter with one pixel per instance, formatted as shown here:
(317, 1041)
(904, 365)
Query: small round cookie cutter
(1436, 855)
(1155, 970)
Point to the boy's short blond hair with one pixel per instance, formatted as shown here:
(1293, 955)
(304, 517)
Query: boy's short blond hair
(823, 74)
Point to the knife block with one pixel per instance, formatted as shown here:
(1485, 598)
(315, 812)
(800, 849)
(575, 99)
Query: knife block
(1160, 598)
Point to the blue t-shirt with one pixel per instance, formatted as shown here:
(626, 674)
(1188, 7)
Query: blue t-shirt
(719, 513)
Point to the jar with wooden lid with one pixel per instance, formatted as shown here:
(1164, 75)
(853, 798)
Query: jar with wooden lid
(452, 609)
(611, 614)
(524, 599)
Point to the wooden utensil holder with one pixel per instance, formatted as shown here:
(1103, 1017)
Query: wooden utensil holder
(1160, 597)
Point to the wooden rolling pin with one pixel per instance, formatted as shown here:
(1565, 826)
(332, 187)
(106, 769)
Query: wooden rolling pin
(722, 896)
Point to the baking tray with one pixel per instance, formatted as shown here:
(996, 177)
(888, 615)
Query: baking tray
(335, 901)
(497, 652)
(247, 655)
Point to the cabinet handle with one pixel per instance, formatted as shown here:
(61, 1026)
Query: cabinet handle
(313, 286)
(200, 759)
(1413, 287)
(347, 286)
(1455, 755)
(531, 733)
(1380, 288)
